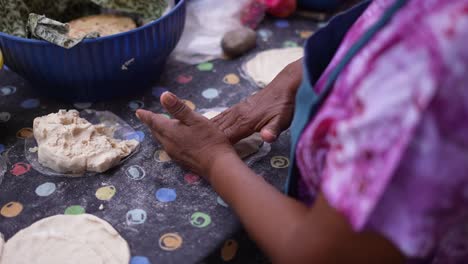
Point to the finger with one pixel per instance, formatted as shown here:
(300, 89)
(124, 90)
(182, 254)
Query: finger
(224, 120)
(157, 123)
(232, 125)
(178, 109)
(271, 131)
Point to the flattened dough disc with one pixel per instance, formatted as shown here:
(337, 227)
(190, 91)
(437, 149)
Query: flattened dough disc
(266, 65)
(69, 239)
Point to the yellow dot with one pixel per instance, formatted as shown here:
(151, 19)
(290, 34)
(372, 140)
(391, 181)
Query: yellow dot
(170, 241)
(189, 104)
(11, 209)
(229, 250)
(106, 193)
(231, 79)
(161, 156)
(25, 133)
(306, 34)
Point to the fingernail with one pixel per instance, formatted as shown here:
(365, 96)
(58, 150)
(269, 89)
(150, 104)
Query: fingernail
(137, 115)
(170, 99)
(270, 136)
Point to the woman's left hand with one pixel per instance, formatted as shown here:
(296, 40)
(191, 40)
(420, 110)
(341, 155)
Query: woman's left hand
(189, 139)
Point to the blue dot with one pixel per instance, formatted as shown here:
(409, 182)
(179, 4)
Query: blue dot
(210, 93)
(281, 23)
(46, 189)
(30, 103)
(2, 148)
(137, 135)
(158, 91)
(265, 34)
(134, 105)
(136, 217)
(166, 195)
(139, 260)
(7, 90)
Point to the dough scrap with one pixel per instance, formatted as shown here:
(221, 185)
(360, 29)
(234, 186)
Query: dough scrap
(249, 145)
(245, 147)
(104, 24)
(68, 143)
(264, 67)
(70, 239)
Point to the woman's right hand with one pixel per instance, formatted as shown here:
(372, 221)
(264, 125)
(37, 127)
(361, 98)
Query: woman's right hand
(269, 111)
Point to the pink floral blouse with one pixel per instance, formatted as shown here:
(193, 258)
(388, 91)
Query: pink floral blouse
(389, 147)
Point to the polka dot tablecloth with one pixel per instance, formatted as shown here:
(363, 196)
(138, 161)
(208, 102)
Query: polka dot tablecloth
(167, 215)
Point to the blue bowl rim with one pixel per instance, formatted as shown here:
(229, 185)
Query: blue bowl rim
(85, 41)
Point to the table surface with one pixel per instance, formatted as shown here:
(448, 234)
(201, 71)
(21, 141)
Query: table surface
(196, 218)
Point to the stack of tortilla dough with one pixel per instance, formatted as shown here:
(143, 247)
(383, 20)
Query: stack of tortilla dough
(68, 143)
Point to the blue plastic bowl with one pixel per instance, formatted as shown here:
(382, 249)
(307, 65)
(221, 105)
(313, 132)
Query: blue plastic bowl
(97, 69)
(319, 5)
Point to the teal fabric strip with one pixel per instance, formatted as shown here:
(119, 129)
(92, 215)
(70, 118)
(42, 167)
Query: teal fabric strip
(308, 103)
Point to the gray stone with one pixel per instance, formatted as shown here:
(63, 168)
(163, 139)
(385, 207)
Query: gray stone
(237, 42)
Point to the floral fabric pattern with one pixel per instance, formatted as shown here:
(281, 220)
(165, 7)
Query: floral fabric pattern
(389, 147)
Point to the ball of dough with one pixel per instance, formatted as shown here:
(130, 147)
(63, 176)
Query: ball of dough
(68, 143)
(237, 42)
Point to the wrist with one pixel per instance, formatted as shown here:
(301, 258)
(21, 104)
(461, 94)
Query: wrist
(294, 72)
(288, 80)
(219, 162)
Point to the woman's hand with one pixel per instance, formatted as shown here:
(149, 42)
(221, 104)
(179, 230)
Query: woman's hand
(269, 111)
(189, 139)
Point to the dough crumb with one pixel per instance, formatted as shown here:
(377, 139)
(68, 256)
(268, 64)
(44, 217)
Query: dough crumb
(68, 143)
(245, 147)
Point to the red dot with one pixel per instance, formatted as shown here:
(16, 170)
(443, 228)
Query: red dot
(184, 79)
(191, 178)
(20, 168)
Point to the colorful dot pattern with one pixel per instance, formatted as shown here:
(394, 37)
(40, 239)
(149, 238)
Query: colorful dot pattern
(145, 200)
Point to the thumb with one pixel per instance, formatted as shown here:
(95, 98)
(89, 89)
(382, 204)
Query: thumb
(177, 108)
(271, 131)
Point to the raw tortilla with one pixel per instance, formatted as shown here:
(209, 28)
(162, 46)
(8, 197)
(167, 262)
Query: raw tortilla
(68, 143)
(246, 146)
(264, 67)
(70, 239)
(104, 24)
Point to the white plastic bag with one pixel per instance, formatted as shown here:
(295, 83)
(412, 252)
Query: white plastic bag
(206, 23)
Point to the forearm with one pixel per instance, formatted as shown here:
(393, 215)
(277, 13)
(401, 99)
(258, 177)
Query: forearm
(269, 216)
(287, 230)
